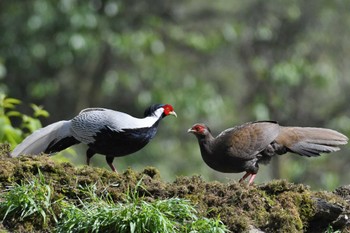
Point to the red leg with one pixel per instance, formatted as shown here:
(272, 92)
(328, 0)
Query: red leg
(252, 178)
(244, 177)
(109, 160)
(112, 167)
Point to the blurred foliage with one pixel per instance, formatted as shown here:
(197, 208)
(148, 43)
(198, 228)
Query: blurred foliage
(218, 62)
(28, 124)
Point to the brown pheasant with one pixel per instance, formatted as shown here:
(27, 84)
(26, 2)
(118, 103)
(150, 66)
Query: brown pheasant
(243, 148)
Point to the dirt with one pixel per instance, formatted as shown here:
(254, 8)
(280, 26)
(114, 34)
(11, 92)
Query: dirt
(277, 206)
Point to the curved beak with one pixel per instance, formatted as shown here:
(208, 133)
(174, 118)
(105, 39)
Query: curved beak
(173, 113)
(190, 130)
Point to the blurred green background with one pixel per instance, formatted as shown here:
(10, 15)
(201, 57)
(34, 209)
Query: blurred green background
(222, 63)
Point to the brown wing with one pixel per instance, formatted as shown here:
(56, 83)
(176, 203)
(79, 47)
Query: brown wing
(247, 140)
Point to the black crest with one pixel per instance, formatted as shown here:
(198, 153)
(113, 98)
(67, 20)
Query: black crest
(151, 109)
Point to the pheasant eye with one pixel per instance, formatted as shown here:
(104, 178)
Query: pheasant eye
(198, 128)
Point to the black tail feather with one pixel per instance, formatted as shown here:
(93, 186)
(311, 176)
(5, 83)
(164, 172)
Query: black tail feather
(59, 145)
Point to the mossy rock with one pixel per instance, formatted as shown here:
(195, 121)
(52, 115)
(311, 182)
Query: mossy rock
(277, 206)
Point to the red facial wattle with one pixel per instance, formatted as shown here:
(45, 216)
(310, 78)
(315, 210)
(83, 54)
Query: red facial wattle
(169, 110)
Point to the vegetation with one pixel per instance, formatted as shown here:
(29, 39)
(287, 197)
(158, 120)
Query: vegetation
(34, 206)
(28, 124)
(136, 215)
(222, 63)
(218, 62)
(39, 194)
(30, 200)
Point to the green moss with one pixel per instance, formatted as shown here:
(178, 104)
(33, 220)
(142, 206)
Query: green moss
(152, 172)
(291, 205)
(276, 187)
(331, 198)
(6, 172)
(5, 150)
(235, 219)
(276, 206)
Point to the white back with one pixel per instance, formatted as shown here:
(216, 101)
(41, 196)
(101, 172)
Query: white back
(90, 121)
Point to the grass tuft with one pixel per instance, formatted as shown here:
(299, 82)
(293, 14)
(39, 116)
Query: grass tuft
(28, 200)
(101, 214)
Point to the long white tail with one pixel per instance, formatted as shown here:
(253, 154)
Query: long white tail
(50, 139)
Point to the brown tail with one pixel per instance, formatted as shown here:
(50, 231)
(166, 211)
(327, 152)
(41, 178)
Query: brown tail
(307, 141)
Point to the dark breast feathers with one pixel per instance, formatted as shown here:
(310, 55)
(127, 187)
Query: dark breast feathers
(113, 133)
